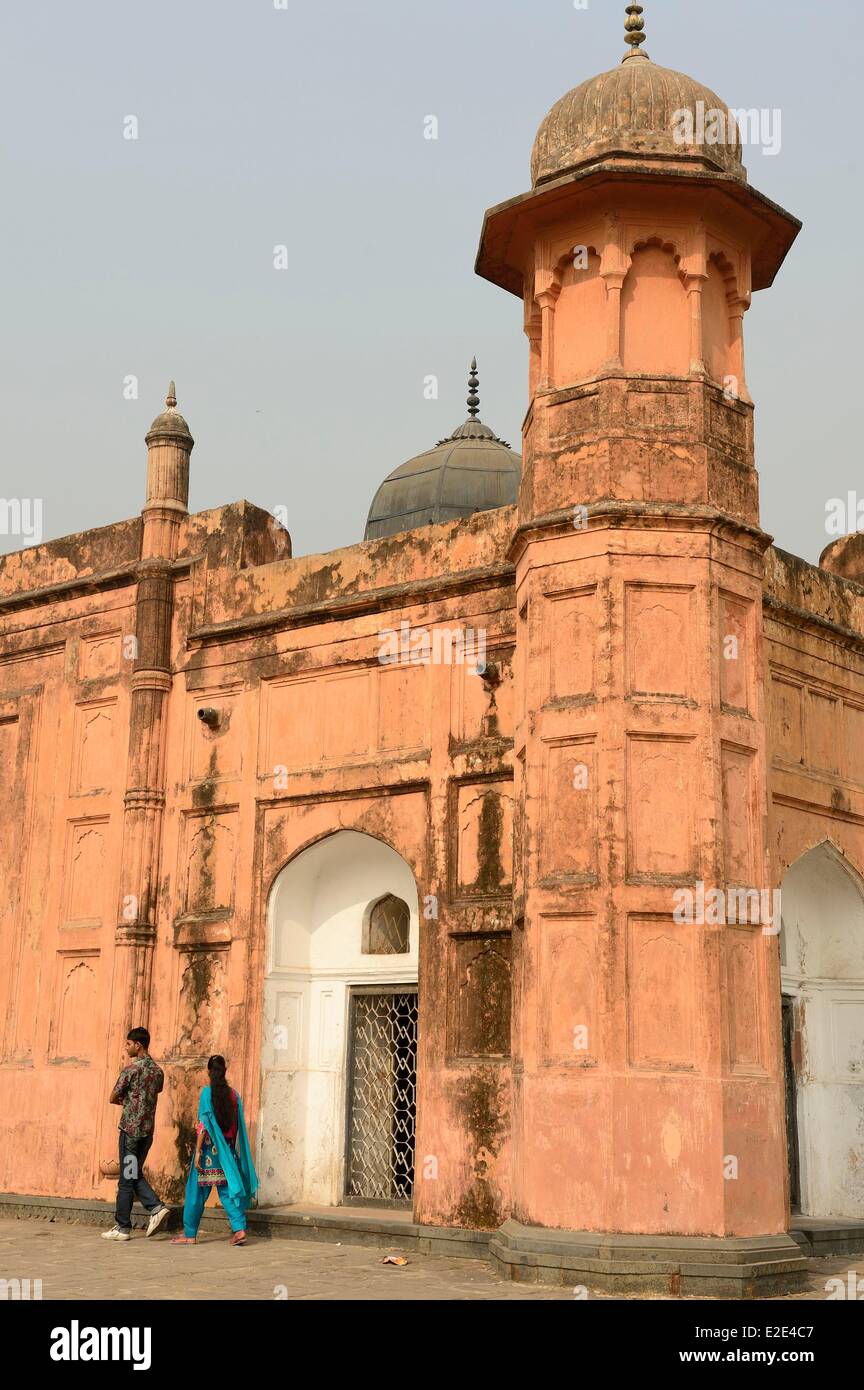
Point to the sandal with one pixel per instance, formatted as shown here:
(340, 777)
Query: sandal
(184, 1240)
(238, 1238)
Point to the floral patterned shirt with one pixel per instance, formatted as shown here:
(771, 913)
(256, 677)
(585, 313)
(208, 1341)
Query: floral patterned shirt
(138, 1087)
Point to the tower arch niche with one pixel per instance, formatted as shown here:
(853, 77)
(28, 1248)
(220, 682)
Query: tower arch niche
(317, 926)
(822, 972)
(580, 318)
(655, 319)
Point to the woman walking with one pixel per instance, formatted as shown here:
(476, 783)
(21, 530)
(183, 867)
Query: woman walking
(222, 1159)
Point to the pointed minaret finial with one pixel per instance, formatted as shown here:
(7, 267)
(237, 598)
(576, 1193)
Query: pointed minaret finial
(473, 383)
(634, 27)
(171, 398)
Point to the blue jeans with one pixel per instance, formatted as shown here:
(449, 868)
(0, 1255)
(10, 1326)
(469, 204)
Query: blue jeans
(133, 1155)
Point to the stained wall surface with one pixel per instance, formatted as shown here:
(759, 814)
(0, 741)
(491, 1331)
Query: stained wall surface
(315, 736)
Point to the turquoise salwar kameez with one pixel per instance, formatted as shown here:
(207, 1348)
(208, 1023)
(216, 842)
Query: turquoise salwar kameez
(227, 1168)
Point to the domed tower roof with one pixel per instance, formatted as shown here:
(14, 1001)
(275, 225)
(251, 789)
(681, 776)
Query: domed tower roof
(633, 113)
(170, 424)
(634, 123)
(471, 471)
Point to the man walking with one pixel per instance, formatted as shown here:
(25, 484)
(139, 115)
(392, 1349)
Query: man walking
(137, 1090)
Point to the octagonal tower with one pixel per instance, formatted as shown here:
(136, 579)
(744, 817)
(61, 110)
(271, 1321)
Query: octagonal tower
(648, 1081)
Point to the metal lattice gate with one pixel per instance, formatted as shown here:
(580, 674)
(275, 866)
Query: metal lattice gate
(382, 1095)
(788, 1017)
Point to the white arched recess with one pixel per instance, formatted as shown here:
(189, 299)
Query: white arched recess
(822, 969)
(315, 922)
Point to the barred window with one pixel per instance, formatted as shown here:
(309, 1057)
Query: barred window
(387, 927)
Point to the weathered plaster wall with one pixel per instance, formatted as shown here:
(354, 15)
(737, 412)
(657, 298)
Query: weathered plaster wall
(63, 717)
(814, 627)
(314, 735)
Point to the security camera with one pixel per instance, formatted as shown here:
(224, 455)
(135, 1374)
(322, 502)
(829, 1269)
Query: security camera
(490, 674)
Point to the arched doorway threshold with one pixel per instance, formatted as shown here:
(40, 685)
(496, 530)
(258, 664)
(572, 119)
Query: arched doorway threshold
(822, 981)
(339, 1039)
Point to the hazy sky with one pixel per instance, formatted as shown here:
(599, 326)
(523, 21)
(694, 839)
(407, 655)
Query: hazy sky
(304, 127)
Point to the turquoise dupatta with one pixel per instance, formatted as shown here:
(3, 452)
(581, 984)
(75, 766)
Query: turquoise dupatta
(239, 1170)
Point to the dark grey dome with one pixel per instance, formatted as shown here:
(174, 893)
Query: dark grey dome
(472, 471)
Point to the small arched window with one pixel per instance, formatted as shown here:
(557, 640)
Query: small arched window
(387, 927)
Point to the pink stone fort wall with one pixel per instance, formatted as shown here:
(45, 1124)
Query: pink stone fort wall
(624, 673)
(141, 844)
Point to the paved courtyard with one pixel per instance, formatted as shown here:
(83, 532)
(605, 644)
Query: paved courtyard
(74, 1263)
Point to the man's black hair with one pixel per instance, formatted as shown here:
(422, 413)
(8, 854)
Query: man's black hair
(139, 1035)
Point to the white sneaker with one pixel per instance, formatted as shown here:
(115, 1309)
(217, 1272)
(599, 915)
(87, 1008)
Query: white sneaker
(116, 1234)
(158, 1219)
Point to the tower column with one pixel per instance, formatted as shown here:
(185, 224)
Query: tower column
(169, 445)
(694, 285)
(614, 284)
(737, 310)
(614, 265)
(546, 293)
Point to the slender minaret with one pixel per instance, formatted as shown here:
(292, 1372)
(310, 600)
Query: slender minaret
(169, 445)
(648, 1083)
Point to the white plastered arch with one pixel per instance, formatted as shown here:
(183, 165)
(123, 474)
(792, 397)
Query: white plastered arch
(822, 965)
(314, 955)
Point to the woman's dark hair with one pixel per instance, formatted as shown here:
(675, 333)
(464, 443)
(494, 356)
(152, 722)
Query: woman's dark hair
(223, 1099)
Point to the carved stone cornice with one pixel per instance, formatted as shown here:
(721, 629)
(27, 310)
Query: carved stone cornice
(144, 799)
(151, 680)
(135, 934)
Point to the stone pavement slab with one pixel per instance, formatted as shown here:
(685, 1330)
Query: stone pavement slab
(74, 1263)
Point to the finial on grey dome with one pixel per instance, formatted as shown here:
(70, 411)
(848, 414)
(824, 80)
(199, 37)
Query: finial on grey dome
(473, 397)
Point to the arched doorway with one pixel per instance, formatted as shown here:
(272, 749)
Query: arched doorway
(339, 1049)
(822, 974)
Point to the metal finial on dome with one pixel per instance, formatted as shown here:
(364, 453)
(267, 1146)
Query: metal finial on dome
(473, 397)
(634, 27)
(473, 427)
(171, 398)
